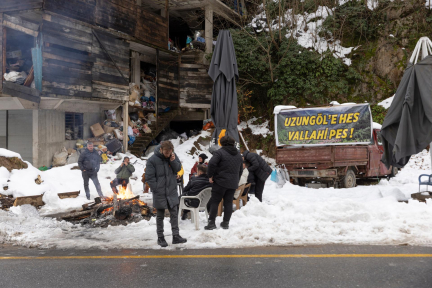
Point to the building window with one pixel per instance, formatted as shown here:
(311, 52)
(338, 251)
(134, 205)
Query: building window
(74, 125)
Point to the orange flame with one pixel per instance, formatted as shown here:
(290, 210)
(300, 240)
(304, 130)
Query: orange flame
(125, 192)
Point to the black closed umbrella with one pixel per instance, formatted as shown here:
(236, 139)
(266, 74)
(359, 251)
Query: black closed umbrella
(224, 72)
(407, 127)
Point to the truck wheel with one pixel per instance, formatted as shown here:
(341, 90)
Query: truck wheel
(299, 181)
(349, 181)
(394, 172)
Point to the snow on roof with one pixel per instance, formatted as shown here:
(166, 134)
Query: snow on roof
(386, 103)
(279, 108)
(8, 153)
(376, 126)
(335, 103)
(348, 104)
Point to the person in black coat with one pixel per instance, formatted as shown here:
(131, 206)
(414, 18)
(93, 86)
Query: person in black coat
(224, 170)
(194, 187)
(260, 170)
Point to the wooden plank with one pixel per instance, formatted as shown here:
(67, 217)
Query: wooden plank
(53, 52)
(59, 20)
(83, 88)
(64, 31)
(35, 201)
(80, 66)
(18, 93)
(37, 4)
(21, 88)
(70, 72)
(19, 28)
(111, 85)
(68, 195)
(21, 22)
(108, 78)
(63, 41)
(66, 92)
(53, 78)
(75, 9)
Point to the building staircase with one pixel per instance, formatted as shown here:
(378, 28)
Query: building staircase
(142, 141)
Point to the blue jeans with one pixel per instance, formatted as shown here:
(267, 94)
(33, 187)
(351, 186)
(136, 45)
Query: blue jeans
(93, 176)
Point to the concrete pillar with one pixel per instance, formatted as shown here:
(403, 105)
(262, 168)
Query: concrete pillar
(125, 125)
(136, 68)
(35, 138)
(209, 28)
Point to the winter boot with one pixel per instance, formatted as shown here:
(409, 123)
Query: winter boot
(177, 239)
(211, 225)
(224, 225)
(184, 216)
(161, 242)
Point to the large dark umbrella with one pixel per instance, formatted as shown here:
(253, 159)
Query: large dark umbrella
(223, 71)
(407, 127)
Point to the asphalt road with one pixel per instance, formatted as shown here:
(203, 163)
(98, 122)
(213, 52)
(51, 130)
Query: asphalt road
(306, 266)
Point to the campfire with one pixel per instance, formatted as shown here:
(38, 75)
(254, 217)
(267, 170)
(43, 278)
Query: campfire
(123, 206)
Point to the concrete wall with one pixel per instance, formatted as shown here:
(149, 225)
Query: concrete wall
(51, 133)
(2, 128)
(21, 133)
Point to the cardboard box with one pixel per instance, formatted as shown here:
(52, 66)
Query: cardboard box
(97, 130)
(108, 129)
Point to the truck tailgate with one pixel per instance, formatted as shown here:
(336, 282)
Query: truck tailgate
(328, 156)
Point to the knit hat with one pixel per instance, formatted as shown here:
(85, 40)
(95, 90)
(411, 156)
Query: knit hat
(203, 156)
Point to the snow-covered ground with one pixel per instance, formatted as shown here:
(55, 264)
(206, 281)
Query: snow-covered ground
(291, 215)
(257, 129)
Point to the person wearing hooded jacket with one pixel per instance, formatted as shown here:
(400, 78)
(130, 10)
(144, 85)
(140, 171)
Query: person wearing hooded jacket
(161, 176)
(260, 170)
(224, 170)
(201, 160)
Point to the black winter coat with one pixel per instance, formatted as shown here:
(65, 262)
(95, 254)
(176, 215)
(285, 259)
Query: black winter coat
(89, 161)
(226, 167)
(161, 176)
(194, 187)
(258, 166)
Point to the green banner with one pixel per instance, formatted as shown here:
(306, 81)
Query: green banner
(338, 125)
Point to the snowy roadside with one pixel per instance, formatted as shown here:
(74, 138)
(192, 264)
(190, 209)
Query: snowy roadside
(291, 215)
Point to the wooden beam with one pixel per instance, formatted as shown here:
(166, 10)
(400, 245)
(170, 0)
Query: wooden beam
(4, 53)
(125, 125)
(209, 28)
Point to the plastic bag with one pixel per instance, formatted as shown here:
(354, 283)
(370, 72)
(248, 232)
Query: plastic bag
(285, 172)
(60, 158)
(274, 176)
(110, 114)
(280, 178)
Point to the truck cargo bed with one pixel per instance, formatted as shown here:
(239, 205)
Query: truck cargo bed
(322, 156)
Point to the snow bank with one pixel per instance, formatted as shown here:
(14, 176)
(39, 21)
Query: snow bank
(291, 215)
(9, 154)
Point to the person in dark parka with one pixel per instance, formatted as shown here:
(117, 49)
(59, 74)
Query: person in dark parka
(89, 163)
(161, 176)
(261, 171)
(194, 187)
(224, 170)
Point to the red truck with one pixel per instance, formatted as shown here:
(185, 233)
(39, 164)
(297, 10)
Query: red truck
(335, 165)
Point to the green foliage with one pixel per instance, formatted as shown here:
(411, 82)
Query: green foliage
(298, 74)
(378, 113)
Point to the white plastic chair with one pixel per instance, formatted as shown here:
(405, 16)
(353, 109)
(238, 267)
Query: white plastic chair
(203, 197)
